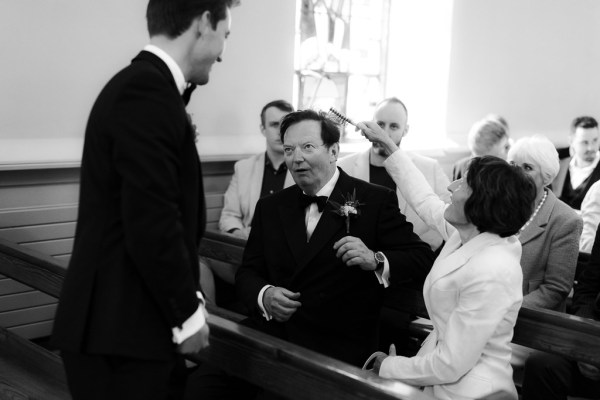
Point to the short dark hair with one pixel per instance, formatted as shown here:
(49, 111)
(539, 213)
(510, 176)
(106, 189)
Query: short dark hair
(330, 131)
(279, 104)
(502, 196)
(583, 122)
(173, 17)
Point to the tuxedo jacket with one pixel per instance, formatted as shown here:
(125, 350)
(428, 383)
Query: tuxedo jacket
(134, 268)
(243, 192)
(340, 304)
(357, 165)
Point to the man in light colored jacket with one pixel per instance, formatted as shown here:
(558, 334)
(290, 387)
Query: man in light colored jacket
(256, 176)
(392, 116)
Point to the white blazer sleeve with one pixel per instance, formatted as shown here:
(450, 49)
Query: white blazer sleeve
(417, 192)
(441, 183)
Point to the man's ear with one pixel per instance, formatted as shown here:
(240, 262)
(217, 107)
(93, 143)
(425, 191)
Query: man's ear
(204, 22)
(262, 130)
(406, 130)
(335, 151)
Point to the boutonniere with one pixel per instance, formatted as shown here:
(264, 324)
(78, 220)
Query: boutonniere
(193, 126)
(348, 208)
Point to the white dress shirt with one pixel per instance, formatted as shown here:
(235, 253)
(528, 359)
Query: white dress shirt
(579, 174)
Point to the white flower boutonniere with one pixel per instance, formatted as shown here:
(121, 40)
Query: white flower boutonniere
(349, 208)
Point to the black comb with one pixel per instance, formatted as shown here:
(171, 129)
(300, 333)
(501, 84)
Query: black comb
(339, 117)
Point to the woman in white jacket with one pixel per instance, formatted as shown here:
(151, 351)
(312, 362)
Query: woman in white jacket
(473, 292)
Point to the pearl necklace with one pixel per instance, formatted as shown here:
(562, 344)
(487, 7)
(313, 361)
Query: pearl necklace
(534, 213)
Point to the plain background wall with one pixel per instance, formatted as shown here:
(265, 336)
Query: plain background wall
(58, 54)
(536, 62)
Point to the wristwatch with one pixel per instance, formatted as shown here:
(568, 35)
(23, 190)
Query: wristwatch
(379, 259)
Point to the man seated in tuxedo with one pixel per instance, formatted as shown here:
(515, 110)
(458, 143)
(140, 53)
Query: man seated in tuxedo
(253, 177)
(319, 256)
(552, 377)
(321, 252)
(580, 171)
(392, 116)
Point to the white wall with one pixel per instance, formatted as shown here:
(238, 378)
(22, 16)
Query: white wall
(536, 62)
(58, 54)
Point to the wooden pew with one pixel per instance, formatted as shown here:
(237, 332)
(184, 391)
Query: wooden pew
(276, 365)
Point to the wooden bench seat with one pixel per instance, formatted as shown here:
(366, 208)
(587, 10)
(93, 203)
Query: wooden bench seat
(29, 371)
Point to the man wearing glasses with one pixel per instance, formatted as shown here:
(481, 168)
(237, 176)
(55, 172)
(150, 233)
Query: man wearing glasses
(321, 252)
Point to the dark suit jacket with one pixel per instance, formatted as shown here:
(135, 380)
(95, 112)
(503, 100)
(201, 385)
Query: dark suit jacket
(340, 304)
(586, 299)
(134, 269)
(561, 185)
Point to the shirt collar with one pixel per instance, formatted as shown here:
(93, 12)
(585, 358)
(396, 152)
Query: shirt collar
(171, 64)
(269, 163)
(328, 188)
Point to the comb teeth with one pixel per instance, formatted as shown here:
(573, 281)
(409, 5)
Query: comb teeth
(339, 117)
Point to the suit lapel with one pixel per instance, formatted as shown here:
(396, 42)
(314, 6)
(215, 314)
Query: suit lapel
(454, 256)
(330, 223)
(594, 176)
(294, 226)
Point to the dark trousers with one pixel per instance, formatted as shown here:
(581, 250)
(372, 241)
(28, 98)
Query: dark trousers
(93, 377)
(211, 383)
(551, 377)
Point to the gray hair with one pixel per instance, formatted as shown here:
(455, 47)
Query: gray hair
(542, 151)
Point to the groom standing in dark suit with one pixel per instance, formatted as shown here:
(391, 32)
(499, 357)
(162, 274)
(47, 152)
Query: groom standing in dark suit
(321, 252)
(129, 306)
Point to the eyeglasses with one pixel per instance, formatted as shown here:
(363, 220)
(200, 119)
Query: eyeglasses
(306, 148)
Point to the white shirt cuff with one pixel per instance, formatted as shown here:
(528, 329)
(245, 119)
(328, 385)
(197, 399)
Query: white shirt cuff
(261, 305)
(191, 325)
(383, 276)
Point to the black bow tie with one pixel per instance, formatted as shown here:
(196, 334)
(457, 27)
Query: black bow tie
(187, 93)
(306, 201)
